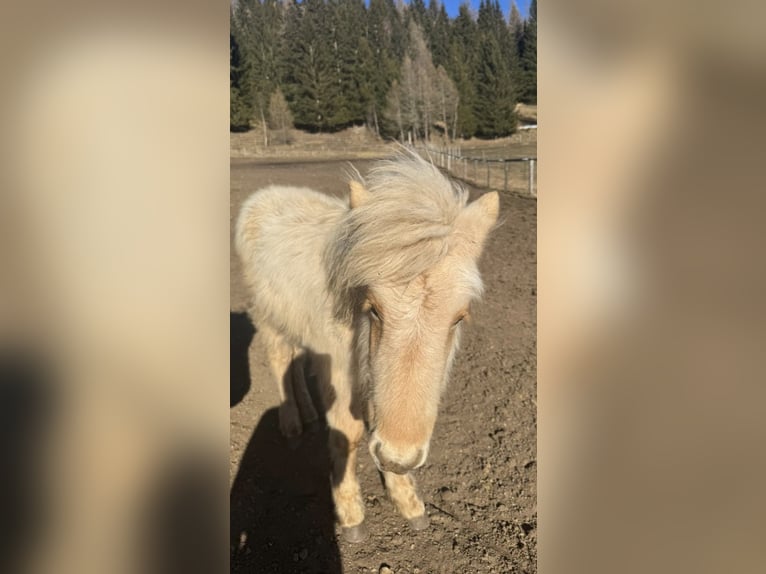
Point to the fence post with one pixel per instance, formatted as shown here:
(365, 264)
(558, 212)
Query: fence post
(505, 176)
(465, 168)
(532, 190)
(487, 173)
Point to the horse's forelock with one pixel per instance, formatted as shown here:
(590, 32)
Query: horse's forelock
(402, 231)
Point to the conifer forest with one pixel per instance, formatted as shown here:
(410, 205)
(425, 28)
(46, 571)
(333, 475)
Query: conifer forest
(404, 70)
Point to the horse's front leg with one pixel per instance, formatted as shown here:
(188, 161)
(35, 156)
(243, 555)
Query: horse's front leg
(346, 492)
(345, 432)
(403, 492)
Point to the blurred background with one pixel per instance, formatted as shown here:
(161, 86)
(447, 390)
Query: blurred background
(113, 290)
(114, 285)
(650, 315)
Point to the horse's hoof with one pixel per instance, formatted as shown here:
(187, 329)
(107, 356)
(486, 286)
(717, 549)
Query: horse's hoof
(355, 534)
(420, 522)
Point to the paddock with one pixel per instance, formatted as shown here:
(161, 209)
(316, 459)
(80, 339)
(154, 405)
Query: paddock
(479, 483)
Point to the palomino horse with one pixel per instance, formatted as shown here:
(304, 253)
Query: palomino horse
(377, 285)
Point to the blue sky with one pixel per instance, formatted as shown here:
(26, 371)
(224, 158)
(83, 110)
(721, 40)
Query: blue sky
(453, 5)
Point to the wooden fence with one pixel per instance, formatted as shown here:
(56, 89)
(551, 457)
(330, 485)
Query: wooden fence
(507, 174)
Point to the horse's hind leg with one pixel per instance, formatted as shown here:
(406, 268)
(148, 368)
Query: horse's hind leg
(282, 356)
(401, 488)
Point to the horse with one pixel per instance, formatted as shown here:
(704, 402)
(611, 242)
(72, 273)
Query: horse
(377, 284)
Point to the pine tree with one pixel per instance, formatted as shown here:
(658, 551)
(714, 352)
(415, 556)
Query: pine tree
(239, 108)
(418, 12)
(496, 74)
(399, 33)
(495, 95)
(438, 32)
(529, 57)
(365, 84)
(516, 23)
(491, 21)
(310, 76)
(462, 68)
(346, 26)
(386, 47)
(258, 24)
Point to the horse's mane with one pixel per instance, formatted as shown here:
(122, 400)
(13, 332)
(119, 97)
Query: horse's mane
(401, 231)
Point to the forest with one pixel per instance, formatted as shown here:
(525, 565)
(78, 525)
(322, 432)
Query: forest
(405, 70)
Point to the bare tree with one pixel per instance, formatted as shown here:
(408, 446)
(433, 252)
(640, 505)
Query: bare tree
(423, 79)
(447, 100)
(410, 97)
(393, 110)
(424, 96)
(280, 118)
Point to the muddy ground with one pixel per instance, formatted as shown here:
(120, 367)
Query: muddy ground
(479, 483)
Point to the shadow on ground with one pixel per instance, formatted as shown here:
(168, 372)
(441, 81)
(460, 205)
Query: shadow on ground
(281, 511)
(281, 507)
(241, 332)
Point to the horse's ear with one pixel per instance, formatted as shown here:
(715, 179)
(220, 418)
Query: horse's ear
(358, 195)
(478, 218)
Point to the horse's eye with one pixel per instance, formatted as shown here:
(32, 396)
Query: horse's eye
(458, 321)
(374, 313)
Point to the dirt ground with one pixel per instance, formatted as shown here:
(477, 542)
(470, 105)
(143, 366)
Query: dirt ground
(479, 483)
